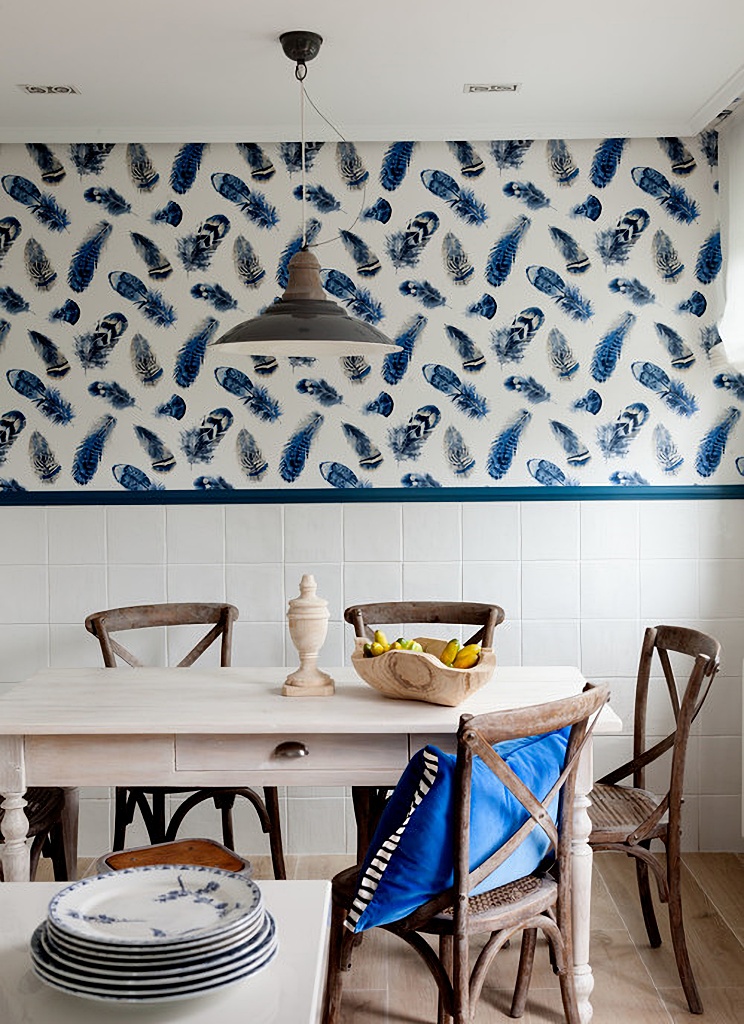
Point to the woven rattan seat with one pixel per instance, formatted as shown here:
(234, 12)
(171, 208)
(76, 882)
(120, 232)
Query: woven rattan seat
(617, 810)
(44, 809)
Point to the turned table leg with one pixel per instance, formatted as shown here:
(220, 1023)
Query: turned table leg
(581, 886)
(15, 852)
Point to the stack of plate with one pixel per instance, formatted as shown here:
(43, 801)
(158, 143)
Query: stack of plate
(154, 934)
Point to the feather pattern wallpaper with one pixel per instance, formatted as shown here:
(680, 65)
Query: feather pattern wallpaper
(555, 304)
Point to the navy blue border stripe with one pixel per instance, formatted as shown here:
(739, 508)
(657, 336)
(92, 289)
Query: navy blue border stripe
(280, 496)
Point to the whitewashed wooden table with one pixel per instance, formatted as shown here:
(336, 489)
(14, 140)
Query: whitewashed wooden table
(232, 727)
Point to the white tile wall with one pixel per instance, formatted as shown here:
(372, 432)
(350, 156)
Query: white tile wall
(579, 581)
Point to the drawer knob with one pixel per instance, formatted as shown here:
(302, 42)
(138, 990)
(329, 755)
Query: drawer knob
(291, 748)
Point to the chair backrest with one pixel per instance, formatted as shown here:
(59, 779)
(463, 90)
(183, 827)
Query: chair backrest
(114, 620)
(363, 617)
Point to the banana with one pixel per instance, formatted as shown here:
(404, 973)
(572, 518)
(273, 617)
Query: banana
(377, 649)
(467, 656)
(382, 640)
(449, 653)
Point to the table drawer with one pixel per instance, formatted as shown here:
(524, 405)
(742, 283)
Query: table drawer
(297, 752)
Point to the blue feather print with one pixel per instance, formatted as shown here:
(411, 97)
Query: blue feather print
(395, 164)
(262, 169)
(175, 408)
(504, 253)
(356, 368)
(709, 146)
(253, 204)
(158, 265)
(43, 460)
(291, 154)
(733, 382)
(713, 445)
(170, 214)
(464, 396)
(89, 157)
(457, 263)
(340, 476)
(89, 452)
(359, 300)
(141, 168)
(471, 164)
(247, 264)
(591, 208)
(4, 331)
(256, 398)
(510, 343)
(94, 348)
(696, 304)
(367, 263)
(250, 457)
(111, 200)
(577, 453)
(562, 359)
(380, 210)
(85, 259)
(113, 393)
(145, 363)
(560, 162)
(419, 480)
(369, 455)
(212, 483)
(609, 348)
(672, 198)
(485, 307)
(472, 358)
(47, 400)
(622, 478)
(190, 356)
(577, 261)
(462, 201)
(528, 193)
(41, 273)
(69, 312)
(710, 259)
(319, 197)
(350, 166)
(196, 251)
(682, 160)
(382, 405)
(666, 258)
(265, 365)
(133, 479)
(12, 301)
(297, 449)
(457, 453)
(11, 486)
(709, 338)
(42, 206)
(567, 298)
(509, 152)
(199, 444)
(672, 392)
(52, 171)
(504, 446)
(186, 166)
(319, 389)
(150, 303)
(632, 288)
(295, 361)
(406, 247)
(666, 451)
(55, 361)
(11, 425)
(161, 457)
(547, 473)
(10, 229)
(395, 364)
(529, 388)
(739, 463)
(215, 295)
(407, 440)
(591, 402)
(680, 353)
(424, 291)
(312, 229)
(606, 161)
(614, 439)
(614, 245)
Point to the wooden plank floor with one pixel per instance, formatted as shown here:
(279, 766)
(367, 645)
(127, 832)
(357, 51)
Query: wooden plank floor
(633, 984)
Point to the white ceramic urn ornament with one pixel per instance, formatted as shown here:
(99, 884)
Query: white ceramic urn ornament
(308, 624)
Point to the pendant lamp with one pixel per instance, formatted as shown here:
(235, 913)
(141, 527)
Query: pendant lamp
(303, 322)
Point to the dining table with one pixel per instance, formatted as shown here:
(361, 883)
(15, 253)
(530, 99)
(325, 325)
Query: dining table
(201, 728)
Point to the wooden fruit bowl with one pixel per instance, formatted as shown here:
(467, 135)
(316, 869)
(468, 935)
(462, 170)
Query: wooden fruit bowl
(412, 675)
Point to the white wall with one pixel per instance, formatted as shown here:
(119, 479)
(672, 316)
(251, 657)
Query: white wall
(579, 581)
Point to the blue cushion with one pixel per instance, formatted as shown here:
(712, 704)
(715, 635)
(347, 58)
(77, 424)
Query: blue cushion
(410, 857)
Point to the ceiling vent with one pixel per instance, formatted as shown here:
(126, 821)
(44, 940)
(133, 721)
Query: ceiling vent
(50, 90)
(492, 87)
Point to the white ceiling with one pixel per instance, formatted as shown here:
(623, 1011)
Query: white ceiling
(213, 70)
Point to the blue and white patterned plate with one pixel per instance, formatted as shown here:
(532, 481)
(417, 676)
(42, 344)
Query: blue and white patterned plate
(158, 905)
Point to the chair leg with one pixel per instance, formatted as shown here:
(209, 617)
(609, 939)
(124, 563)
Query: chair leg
(568, 995)
(69, 835)
(524, 972)
(124, 806)
(334, 980)
(271, 799)
(225, 806)
(445, 957)
(647, 903)
(679, 943)
(58, 853)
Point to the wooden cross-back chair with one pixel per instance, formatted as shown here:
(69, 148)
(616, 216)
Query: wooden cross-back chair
(152, 801)
(540, 900)
(626, 818)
